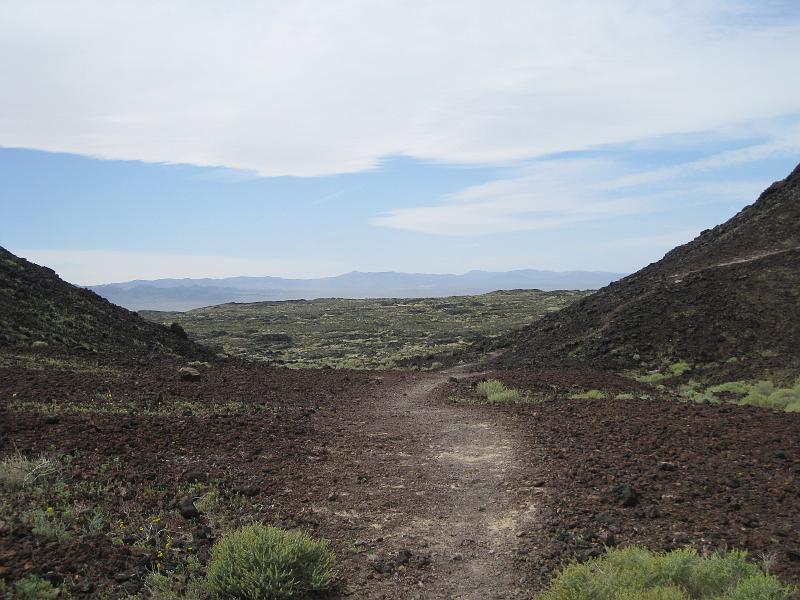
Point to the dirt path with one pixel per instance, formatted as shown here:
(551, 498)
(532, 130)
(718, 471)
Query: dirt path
(444, 484)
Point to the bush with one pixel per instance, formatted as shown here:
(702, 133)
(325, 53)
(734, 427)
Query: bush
(257, 561)
(489, 387)
(33, 588)
(496, 392)
(17, 471)
(679, 368)
(637, 573)
(506, 395)
(590, 395)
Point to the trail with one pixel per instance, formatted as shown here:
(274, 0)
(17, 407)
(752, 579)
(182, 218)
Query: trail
(444, 486)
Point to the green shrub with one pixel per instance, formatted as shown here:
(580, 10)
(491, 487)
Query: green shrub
(506, 395)
(489, 387)
(679, 368)
(652, 378)
(637, 573)
(257, 561)
(497, 393)
(33, 588)
(589, 395)
(46, 524)
(731, 387)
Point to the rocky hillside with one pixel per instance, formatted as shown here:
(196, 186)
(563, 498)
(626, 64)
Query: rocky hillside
(41, 312)
(729, 300)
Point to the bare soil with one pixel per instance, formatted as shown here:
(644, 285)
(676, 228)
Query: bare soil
(422, 497)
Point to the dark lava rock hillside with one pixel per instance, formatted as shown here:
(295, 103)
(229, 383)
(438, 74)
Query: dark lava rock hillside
(40, 312)
(729, 300)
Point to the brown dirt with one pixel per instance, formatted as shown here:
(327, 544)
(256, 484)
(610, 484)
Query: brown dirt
(423, 498)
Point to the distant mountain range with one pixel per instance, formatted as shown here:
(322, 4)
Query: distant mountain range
(186, 294)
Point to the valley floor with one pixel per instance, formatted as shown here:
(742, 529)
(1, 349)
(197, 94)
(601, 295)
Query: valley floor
(422, 497)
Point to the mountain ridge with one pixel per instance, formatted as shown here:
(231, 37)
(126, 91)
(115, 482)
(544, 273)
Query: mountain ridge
(188, 293)
(728, 300)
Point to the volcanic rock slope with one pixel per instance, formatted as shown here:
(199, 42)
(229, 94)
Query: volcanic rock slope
(729, 299)
(41, 312)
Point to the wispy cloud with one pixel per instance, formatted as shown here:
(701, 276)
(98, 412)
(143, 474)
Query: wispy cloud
(559, 192)
(318, 87)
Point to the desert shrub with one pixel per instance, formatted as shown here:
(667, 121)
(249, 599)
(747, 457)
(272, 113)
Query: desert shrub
(17, 471)
(506, 395)
(162, 587)
(637, 573)
(47, 524)
(730, 387)
(489, 387)
(34, 588)
(496, 392)
(589, 395)
(679, 368)
(258, 561)
(652, 378)
(765, 395)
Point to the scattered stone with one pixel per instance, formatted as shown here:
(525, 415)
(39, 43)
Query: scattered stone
(667, 466)
(56, 579)
(378, 565)
(333, 496)
(189, 374)
(626, 495)
(793, 553)
(39, 345)
(248, 491)
(195, 477)
(452, 379)
(421, 560)
(781, 454)
(457, 557)
(187, 509)
(538, 483)
(51, 419)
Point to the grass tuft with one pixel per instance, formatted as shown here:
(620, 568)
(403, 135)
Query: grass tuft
(588, 395)
(17, 471)
(638, 573)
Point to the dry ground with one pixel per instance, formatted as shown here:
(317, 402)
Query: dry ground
(422, 497)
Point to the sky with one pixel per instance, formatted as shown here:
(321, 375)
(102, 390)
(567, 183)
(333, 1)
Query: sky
(141, 140)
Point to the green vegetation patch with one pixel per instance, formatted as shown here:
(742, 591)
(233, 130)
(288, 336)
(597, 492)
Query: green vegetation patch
(637, 573)
(764, 394)
(589, 395)
(258, 561)
(363, 334)
(495, 392)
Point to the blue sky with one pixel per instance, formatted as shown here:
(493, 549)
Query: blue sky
(310, 138)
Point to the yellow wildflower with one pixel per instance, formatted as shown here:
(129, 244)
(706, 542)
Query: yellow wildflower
(50, 510)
